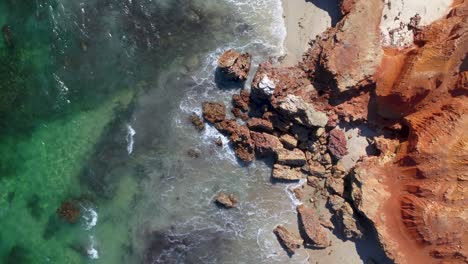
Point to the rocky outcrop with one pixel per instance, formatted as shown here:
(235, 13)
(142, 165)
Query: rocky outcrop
(234, 65)
(288, 240)
(226, 200)
(315, 232)
(214, 112)
(347, 56)
(260, 125)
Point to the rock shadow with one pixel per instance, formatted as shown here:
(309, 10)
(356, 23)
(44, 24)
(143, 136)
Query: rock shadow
(332, 7)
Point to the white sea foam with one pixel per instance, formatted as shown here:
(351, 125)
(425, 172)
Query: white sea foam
(129, 138)
(91, 250)
(289, 190)
(90, 217)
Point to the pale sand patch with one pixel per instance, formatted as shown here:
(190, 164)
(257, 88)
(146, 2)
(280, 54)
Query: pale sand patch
(401, 11)
(304, 20)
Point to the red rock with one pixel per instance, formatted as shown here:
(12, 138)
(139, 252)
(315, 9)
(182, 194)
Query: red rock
(337, 144)
(226, 200)
(227, 127)
(241, 100)
(214, 112)
(265, 144)
(261, 125)
(237, 112)
(234, 65)
(313, 229)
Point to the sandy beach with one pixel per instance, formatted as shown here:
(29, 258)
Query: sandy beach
(304, 20)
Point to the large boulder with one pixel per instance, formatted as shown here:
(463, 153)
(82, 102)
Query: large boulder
(310, 223)
(214, 112)
(295, 157)
(295, 108)
(265, 144)
(234, 65)
(288, 240)
(286, 173)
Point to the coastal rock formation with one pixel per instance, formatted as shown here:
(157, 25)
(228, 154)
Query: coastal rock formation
(312, 228)
(346, 216)
(234, 65)
(288, 240)
(260, 125)
(295, 157)
(226, 200)
(301, 112)
(214, 112)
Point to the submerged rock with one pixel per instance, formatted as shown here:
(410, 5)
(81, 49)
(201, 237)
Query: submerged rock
(234, 65)
(197, 122)
(288, 240)
(226, 200)
(69, 211)
(310, 222)
(214, 112)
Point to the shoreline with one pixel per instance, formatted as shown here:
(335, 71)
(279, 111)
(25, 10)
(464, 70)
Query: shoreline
(304, 25)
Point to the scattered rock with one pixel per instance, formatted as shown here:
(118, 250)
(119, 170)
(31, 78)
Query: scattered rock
(239, 114)
(226, 200)
(197, 122)
(261, 125)
(293, 157)
(317, 169)
(337, 144)
(241, 100)
(281, 172)
(69, 211)
(265, 144)
(299, 193)
(214, 112)
(326, 222)
(288, 240)
(312, 228)
(234, 65)
(346, 215)
(288, 141)
(335, 185)
(313, 182)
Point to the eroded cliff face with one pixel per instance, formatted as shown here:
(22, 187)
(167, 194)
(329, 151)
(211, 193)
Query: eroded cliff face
(424, 87)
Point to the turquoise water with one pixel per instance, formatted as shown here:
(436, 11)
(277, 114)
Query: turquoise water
(76, 77)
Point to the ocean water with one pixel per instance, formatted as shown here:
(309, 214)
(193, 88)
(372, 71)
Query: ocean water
(95, 97)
